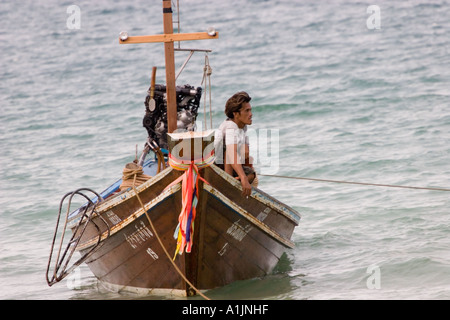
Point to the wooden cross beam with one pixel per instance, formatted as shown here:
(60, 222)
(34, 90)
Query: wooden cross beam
(173, 37)
(168, 38)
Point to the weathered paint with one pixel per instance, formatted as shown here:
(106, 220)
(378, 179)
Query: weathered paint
(132, 217)
(286, 242)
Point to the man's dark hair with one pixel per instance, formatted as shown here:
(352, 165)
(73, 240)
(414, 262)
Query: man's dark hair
(234, 104)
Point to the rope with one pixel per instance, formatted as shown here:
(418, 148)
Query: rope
(163, 247)
(207, 71)
(358, 183)
(131, 174)
(161, 161)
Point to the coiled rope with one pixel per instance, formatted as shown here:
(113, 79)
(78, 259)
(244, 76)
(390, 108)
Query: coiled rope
(357, 183)
(132, 174)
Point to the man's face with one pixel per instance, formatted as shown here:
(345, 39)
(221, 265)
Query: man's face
(245, 115)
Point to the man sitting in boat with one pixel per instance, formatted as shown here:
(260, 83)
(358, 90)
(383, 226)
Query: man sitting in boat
(231, 142)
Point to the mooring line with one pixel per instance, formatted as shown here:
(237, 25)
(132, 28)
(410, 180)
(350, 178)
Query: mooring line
(358, 183)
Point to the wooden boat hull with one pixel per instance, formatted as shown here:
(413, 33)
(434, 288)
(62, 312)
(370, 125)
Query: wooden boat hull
(234, 238)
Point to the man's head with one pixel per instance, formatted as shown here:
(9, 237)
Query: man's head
(238, 108)
(235, 103)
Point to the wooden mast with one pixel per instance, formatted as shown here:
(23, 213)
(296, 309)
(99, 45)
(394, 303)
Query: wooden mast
(168, 38)
(170, 69)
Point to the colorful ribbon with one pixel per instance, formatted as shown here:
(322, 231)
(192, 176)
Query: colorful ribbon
(184, 232)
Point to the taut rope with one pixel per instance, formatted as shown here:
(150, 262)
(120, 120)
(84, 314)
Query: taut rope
(358, 183)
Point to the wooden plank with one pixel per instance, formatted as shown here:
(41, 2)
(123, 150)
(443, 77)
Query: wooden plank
(172, 37)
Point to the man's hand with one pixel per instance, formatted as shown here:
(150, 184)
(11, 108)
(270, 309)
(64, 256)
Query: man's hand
(246, 187)
(233, 164)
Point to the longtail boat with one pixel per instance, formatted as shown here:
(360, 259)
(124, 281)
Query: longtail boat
(175, 223)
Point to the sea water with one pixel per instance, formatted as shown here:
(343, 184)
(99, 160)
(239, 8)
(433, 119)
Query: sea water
(351, 90)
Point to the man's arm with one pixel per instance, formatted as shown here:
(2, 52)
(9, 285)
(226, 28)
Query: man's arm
(232, 163)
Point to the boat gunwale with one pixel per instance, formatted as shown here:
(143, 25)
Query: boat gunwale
(119, 198)
(130, 193)
(132, 217)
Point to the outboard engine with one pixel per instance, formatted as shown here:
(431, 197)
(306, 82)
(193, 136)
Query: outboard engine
(155, 121)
